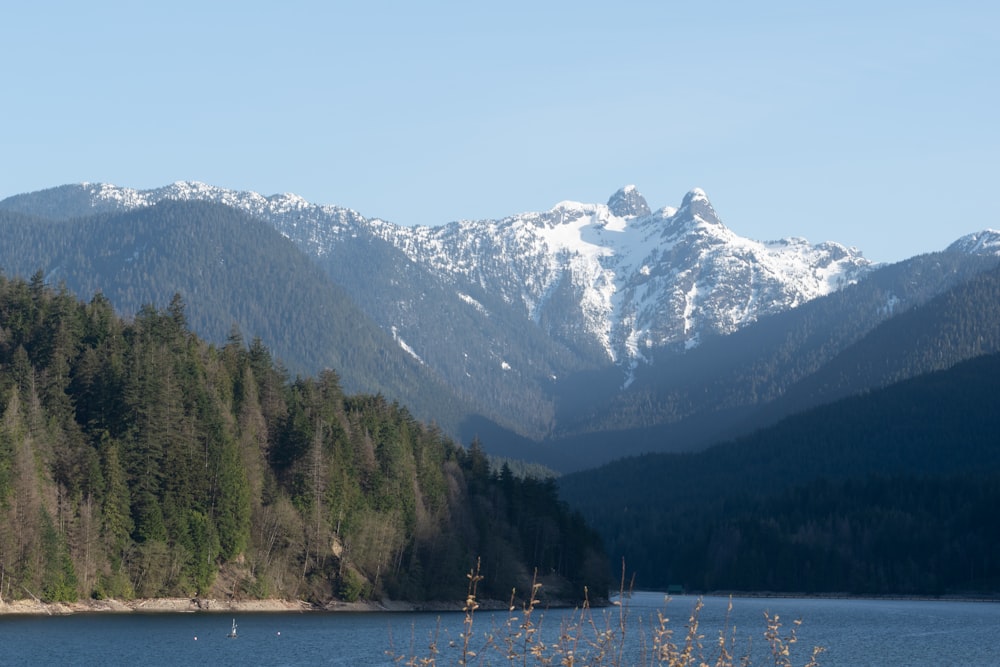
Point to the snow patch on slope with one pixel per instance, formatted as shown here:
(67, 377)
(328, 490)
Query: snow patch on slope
(472, 302)
(986, 242)
(403, 345)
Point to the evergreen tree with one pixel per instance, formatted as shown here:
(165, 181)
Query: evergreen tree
(137, 460)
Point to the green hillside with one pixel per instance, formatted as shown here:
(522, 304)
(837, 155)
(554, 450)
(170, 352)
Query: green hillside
(138, 460)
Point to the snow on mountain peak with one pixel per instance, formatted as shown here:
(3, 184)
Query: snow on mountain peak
(616, 275)
(696, 197)
(107, 194)
(985, 242)
(696, 208)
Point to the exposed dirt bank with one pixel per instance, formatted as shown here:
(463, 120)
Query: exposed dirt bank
(211, 605)
(188, 605)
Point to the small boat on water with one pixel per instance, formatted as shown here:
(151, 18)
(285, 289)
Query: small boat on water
(232, 633)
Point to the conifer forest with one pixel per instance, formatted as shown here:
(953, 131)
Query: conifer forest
(137, 460)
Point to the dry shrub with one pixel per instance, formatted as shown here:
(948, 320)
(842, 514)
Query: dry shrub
(604, 640)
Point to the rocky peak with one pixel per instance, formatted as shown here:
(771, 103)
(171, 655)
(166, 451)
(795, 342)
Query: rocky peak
(696, 204)
(628, 202)
(986, 242)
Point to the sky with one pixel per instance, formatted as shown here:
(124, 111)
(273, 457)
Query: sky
(873, 124)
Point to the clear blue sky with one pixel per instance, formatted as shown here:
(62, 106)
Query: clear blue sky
(874, 124)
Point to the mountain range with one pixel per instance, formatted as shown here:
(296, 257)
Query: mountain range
(889, 492)
(570, 336)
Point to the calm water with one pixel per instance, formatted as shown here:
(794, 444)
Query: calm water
(854, 632)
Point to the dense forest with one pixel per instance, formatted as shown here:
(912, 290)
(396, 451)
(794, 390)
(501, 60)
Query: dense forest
(137, 460)
(890, 492)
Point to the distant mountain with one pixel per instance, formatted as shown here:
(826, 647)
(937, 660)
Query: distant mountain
(589, 324)
(616, 278)
(893, 491)
(236, 274)
(626, 282)
(733, 384)
(958, 324)
(535, 297)
(986, 242)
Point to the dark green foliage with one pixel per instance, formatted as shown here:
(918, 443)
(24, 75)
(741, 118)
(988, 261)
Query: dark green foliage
(138, 460)
(889, 492)
(59, 583)
(233, 514)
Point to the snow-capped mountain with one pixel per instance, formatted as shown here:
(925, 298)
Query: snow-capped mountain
(575, 320)
(637, 280)
(986, 242)
(617, 276)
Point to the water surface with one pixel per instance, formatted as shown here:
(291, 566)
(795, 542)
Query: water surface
(853, 632)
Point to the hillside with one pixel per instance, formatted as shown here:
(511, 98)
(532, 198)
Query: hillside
(234, 273)
(902, 320)
(891, 492)
(136, 460)
(961, 323)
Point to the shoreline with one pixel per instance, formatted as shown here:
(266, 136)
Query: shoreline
(752, 595)
(29, 607)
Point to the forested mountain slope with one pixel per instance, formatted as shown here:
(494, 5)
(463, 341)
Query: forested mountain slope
(493, 358)
(902, 320)
(138, 460)
(890, 492)
(959, 324)
(233, 271)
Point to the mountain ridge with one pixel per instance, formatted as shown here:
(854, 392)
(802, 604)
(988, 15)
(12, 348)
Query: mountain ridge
(610, 259)
(522, 316)
(237, 275)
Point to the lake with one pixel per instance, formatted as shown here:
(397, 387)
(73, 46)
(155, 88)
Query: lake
(854, 632)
